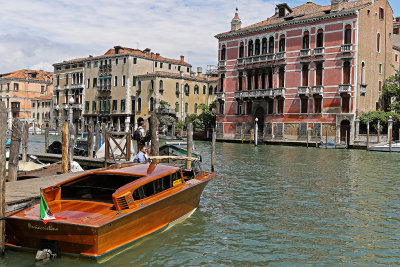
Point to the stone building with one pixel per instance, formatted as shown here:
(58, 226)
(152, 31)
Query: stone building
(18, 88)
(124, 84)
(42, 109)
(310, 68)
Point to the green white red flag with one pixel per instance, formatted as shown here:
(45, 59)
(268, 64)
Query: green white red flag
(45, 213)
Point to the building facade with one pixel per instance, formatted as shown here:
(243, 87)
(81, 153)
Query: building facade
(124, 84)
(18, 88)
(42, 111)
(308, 70)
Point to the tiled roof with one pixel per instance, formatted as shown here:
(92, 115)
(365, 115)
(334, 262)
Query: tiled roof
(305, 11)
(36, 75)
(165, 74)
(50, 96)
(129, 51)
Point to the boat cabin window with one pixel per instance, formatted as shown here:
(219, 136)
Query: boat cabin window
(157, 186)
(95, 187)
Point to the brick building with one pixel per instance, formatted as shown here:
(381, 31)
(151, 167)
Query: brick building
(18, 88)
(308, 68)
(124, 84)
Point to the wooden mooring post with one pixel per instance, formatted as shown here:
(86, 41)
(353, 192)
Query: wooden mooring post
(46, 138)
(25, 140)
(90, 139)
(103, 132)
(154, 135)
(213, 141)
(14, 151)
(390, 140)
(71, 145)
(3, 140)
(308, 137)
(368, 135)
(64, 141)
(189, 144)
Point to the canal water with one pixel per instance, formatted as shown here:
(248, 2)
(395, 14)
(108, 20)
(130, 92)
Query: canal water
(279, 206)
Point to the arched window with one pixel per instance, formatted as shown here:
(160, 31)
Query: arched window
(257, 48)
(346, 72)
(281, 77)
(195, 108)
(196, 89)
(210, 90)
(282, 43)
(176, 106)
(240, 81)
(363, 73)
(161, 85)
(216, 89)
(204, 89)
(318, 70)
(222, 80)
(151, 104)
(304, 74)
(241, 50)
(320, 38)
(306, 40)
(378, 42)
(249, 81)
(347, 34)
(264, 46)
(250, 52)
(139, 85)
(223, 52)
(187, 89)
(271, 45)
(139, 104)
(152, 84)
(177, 89)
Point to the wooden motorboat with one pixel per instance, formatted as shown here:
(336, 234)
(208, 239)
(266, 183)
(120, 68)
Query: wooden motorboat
(385, 147)
(331, 145)
(103, 211)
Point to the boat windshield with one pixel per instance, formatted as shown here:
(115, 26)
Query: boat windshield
(95, 187)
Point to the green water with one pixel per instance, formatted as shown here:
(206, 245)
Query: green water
(280, 206)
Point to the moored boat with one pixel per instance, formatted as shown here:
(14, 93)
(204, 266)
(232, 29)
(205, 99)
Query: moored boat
(385, 148)
(102, 211)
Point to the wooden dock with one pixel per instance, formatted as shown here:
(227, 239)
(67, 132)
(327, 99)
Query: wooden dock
(85, 162)
(25, 192)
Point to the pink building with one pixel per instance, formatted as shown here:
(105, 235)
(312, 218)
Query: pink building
(308, 69)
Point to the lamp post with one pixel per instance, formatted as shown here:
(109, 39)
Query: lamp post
(71, 103)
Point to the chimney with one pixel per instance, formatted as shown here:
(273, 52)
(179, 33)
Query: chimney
(182, 59)
(158, 56)
(147, 51)
(336, 5)
(117, 48)
(199, 71)
(152, 55)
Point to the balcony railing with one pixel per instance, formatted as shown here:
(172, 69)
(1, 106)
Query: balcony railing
(346, 48)
(317, 90)
(77, 85)
(77, 106)
(279, 92)
(363, 88)
(280, 55)
(345, 88)
(106, 87)
(270, 57)
(319, 51)
(303, 90)
(305, 52)
(220, 95)
(257, 93)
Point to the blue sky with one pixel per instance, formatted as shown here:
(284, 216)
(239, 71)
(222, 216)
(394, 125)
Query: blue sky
(36, 34)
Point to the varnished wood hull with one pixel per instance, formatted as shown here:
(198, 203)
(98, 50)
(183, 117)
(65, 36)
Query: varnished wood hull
(97, 242)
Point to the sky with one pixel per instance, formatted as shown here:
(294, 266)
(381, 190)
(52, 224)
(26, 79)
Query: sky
(36, 34)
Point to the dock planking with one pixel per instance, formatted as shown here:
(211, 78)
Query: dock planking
(85, 162)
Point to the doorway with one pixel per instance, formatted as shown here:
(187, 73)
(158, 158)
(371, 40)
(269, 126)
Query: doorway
(345, 131)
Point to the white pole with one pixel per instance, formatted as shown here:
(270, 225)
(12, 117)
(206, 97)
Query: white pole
(256, 133)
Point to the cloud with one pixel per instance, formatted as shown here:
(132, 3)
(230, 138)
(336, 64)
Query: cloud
(37, 34)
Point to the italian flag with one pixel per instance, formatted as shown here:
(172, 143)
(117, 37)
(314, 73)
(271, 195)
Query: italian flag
(45, 213)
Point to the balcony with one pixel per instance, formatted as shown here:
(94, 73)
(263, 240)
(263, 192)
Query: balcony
(220, 95)
(305, 52)
(346, 48)
(317, 90)
(363, 88)
(279, 92)
(319, 51)
(344, 88)
(270, 57)
(280, 56)
(77, 106)
(105, 88)
(253, 94)
(303, 90)
(240, 61)
(77, 85)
